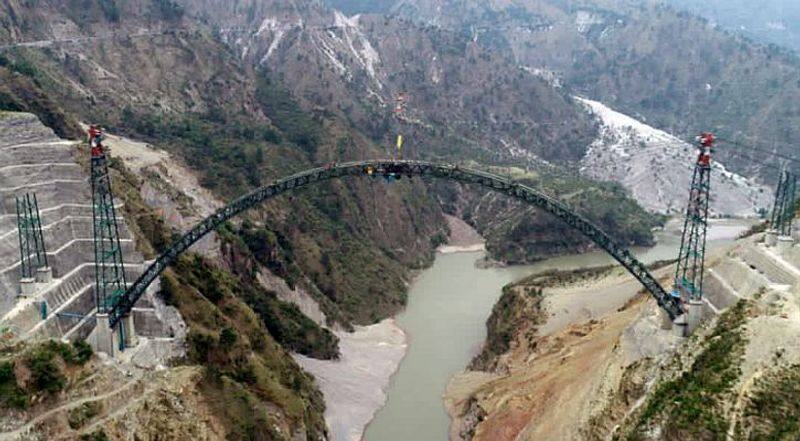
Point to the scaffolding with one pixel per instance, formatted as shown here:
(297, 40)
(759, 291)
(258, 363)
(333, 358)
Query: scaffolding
(691, 259)
(109, 267)
(783, 210)
(33, 254)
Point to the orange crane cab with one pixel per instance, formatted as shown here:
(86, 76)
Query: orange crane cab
(706, 141)
(96, 140)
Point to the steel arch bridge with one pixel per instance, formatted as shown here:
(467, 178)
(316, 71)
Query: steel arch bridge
(526, 194)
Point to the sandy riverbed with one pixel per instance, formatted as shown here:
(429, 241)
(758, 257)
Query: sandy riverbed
(355, 386)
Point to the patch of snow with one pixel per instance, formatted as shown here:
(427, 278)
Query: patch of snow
(550, 76)
(776, 25)
(354, 40)
(329, 52)
(584, 20)
(657, 167)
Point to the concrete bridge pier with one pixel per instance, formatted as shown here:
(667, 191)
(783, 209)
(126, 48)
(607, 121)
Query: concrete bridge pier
(27, 287)
(686, 324)
(106, 339)
(785, 243)
(44, 275)
(771, 238)
(129, 331)
(103, 338)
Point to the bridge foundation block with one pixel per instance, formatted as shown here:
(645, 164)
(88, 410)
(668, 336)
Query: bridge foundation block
(44, 275)
(131, 340)
(771, 238)
(693, 317)
(27, 287)
(104, 339)
(686, 324)
(785, 243)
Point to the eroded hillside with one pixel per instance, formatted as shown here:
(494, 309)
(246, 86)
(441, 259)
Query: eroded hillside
(621, 375)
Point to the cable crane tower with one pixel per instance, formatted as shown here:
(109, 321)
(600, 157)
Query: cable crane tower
(784, 209)
(689, 274)
(33, 254)
(110, 281)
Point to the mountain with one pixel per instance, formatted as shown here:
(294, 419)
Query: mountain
(657, 168)
(767, 21)
(669, 69)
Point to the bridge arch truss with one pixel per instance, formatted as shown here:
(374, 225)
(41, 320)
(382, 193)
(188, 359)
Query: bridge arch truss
(518, 191)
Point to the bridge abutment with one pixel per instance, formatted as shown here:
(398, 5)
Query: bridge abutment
(103, 338)
(686, 324)
(129, 331)
(771, 238)
(44, 275)
(785, 243)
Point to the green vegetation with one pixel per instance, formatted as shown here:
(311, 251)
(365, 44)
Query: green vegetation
(773, 409)
(46, 366)
(11, 395)
(168, 10)
(20, 92)
(247, 372)
(98, 435)
(228, 153)
(284, 321)
(78, 416)
(755, 229)
(287, 115)
(527, 235)
(692, 406)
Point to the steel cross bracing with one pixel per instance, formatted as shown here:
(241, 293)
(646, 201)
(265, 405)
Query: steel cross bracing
(784, 209)
(33, 254)
(397, 168)
(691, 259)
(110, 282)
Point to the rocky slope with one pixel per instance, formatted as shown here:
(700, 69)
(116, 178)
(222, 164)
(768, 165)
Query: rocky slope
(676, 71)
(771, 21)
(657, 168)
(620, 375)
(345, 74)
(188, 93)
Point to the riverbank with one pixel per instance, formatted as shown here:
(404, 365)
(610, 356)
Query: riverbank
(463, 238)
(355, 387)
(544, 385)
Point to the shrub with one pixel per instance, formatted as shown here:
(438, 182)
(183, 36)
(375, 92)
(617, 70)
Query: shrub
(10, 394)
(227, 337)
(78, 416)
(46, 374)
(83, 352)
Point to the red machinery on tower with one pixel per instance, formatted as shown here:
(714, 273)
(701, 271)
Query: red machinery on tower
(691, 260)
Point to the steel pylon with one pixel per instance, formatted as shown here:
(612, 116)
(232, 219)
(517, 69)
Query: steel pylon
(109, 267)
(691, 258)
(33, 254)
(783, 210)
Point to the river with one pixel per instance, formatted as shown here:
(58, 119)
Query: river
(445, 322)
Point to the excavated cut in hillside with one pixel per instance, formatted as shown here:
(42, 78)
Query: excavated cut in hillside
(35, 160)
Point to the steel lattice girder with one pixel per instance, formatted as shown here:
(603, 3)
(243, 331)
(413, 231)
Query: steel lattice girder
(497, 183)
(31, 237)
(110, 283)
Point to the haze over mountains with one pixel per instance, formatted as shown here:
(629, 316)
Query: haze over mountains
(769, 21)
(590, 102)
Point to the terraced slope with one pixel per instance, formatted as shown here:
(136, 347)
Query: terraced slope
(34, 159)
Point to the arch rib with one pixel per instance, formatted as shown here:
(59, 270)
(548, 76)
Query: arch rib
(408, 168)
